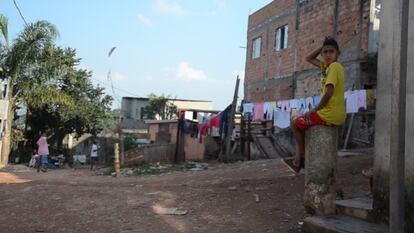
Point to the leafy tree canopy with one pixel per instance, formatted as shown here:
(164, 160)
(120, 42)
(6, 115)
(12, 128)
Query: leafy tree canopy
(160, 107)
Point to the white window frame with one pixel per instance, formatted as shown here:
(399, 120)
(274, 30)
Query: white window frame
(282, 37)
(256, 47)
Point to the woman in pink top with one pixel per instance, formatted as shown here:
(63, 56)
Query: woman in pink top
(43, 151)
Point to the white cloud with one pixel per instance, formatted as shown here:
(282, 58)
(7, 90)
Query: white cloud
(186, 72)
(144, 20)
(168, 7)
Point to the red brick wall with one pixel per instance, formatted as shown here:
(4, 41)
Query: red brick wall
(316, 20)
(315, 23)
(274, 8)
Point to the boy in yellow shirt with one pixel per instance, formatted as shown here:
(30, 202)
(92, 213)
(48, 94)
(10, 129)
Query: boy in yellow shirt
(331, 109)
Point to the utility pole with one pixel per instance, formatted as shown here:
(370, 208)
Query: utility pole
(230, 120)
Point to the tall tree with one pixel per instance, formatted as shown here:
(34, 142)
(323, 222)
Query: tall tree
(60, 74)
(45, 79)
(18, 59)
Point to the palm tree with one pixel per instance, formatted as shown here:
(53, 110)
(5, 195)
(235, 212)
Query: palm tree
(31, 45)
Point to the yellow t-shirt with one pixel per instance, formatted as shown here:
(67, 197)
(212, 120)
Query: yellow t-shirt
(334, 111)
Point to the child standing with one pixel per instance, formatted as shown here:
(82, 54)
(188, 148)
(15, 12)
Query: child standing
(331, 109)
(43, 151)
(94, 154)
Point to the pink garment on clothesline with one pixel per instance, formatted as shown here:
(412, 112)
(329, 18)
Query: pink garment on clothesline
(258, 114)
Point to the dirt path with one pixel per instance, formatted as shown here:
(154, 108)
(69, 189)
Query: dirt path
(220, 199)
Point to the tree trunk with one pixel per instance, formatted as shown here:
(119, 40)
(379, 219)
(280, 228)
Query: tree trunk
(6, 143)
(60, 136)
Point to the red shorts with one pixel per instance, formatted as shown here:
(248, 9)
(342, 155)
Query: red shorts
(315, 119)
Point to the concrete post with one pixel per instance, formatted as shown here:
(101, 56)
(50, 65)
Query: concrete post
(321, 151)
(391, 156)
(116, 162)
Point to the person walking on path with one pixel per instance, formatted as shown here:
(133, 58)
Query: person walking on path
(94, 154)
(43, 151)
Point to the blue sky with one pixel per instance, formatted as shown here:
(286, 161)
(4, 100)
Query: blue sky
(183, 48)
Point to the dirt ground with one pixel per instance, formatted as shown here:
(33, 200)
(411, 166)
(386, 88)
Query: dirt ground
(220, 199)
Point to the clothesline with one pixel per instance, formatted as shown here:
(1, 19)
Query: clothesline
(208, 124)
(282, 111)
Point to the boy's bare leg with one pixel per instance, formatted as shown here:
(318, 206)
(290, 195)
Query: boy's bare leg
(300, 144)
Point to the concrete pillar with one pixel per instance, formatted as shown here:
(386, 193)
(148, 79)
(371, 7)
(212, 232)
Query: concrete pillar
(321, 149)
(409, 152)
(387, 109)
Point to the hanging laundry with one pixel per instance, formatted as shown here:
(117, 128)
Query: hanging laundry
(187, 128)
(248, 108)
(215, 132)
(202, 131)
(215, 121)
(194, 131)
(293, 103)
(224, 120)
(202, 118)
(281, 119)
(285, 105)
(309, 103)
(362, 99)
(316, 100)
(268, 110)
(279, 104)
(351, 98)
(258, 112)
(274, 105)
(302, 106)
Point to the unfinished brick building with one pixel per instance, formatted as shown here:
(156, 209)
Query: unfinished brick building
(283, 33)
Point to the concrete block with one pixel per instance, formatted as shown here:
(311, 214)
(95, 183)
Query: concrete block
(341, 224)
(357, 207)
(320, 161)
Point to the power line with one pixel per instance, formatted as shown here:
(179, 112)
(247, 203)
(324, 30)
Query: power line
(109, 85)
(112, 87)
(20, 12)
